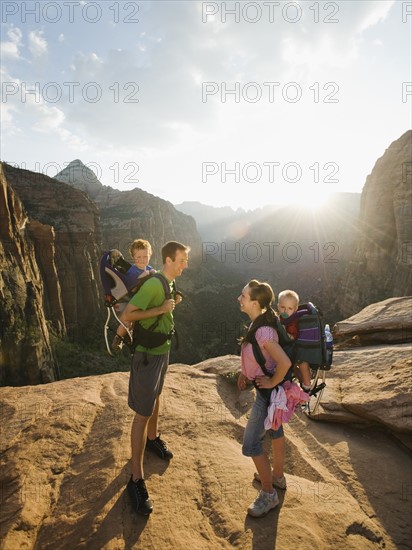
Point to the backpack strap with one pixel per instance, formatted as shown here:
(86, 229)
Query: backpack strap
(284, 341)
(258, 355)
(168, 295)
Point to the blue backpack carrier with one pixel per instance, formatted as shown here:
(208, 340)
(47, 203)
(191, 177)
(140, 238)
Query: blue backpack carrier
(120, 283)
(314, 344)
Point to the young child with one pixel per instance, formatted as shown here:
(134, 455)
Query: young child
(141, 252)
(288, 302)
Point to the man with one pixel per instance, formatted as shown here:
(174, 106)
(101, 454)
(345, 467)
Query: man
(149, 368)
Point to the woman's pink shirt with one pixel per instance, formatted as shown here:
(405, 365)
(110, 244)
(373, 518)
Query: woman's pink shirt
(250, 367)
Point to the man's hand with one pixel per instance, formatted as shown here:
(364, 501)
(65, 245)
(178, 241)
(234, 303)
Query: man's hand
(168, 306)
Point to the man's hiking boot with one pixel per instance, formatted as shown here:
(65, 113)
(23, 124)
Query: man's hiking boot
(263, 504)
(278, 482)
(139, 496)
(159, 447)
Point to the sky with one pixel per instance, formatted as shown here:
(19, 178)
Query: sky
(239, 104)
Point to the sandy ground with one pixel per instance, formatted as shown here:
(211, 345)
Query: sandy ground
(66, 461)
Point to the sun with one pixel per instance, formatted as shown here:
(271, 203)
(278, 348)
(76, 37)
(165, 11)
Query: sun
(310, 196)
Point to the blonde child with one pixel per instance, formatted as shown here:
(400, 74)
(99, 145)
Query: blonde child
(141, 252)
(288, 302)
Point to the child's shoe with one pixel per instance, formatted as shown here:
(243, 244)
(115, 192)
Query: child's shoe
(117, 344)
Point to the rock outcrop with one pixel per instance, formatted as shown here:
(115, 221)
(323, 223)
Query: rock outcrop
(64, 227)
(381, 265)
(66, 461)
(389, 322)
(371, 386)
(25, 352)
(127, 215)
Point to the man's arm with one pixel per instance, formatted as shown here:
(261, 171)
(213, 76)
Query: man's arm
(133, 313)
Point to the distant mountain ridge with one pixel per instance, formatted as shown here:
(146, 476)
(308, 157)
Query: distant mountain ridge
(217, 222)
(304, 249)
(53, 233)
(127, 215)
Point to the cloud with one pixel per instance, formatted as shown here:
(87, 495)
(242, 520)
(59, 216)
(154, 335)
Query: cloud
(376, 13)
(137, 89)
(37, 44)
(174, 52)
(11, 48)
(48, 118)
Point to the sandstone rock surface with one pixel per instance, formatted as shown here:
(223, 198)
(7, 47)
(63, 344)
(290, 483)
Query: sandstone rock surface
(381, 265)
(66, 234)
(389, 321)
(66, 460)
(25, 351)
(371, 386)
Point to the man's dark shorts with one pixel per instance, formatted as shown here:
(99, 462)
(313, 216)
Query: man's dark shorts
(146, 381)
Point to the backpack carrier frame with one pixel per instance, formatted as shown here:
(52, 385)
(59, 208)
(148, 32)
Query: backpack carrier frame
(311, 346)
(118, 285)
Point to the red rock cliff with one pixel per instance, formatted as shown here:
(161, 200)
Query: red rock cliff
(65, 231)
(381, 264)
(25, 352)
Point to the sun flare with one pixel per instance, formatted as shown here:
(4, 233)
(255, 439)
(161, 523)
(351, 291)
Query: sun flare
(312, 197)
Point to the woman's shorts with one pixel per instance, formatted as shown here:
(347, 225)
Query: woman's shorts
(255, 429)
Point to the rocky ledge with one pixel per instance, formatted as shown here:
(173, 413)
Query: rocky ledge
(66, 461)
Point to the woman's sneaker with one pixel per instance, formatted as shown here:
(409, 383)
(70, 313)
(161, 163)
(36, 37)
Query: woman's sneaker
(263, 503)
(278, 482)
(139, 496)
(159, 447)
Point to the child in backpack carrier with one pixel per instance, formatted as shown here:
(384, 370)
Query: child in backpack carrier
(288, 302)
(141, 252)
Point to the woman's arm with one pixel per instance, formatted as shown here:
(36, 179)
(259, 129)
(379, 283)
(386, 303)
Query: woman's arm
(283, 364)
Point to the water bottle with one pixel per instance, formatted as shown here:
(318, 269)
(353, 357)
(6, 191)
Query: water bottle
(329, 345)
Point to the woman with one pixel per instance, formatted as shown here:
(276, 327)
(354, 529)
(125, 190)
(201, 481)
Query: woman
(255, 301)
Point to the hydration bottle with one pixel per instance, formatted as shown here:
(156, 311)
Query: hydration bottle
(329, 345)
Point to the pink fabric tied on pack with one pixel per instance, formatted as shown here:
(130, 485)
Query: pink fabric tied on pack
(283, 403)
